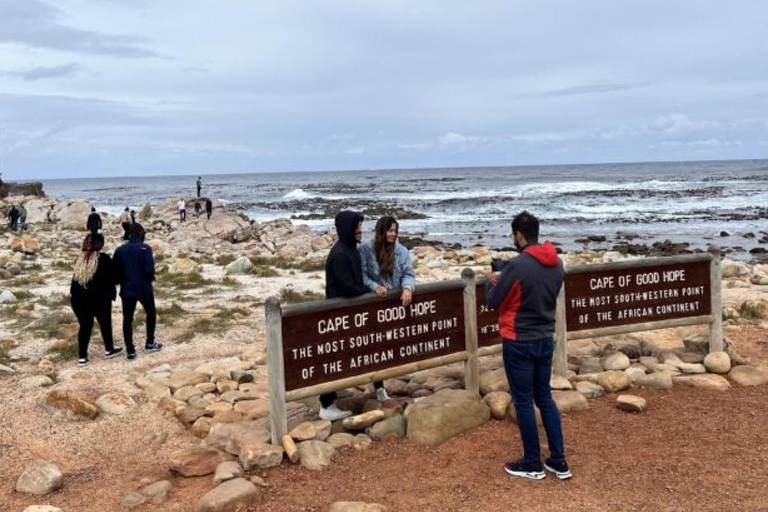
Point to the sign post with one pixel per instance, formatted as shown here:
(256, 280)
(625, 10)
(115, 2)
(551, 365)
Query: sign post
(471, 366)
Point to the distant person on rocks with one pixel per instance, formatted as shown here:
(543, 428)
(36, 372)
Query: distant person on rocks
(93, 224)
(135, 268)
(343, 278)
(49, 213)
(133, 216)
(182, 206)
(91, 294)
(199, 185)
(22, 217)
(387, 266)
(525, 293)
(13, 217)
(125, 221)
(208, 207)
(198, 209)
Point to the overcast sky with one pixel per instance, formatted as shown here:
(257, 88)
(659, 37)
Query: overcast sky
(128, 87)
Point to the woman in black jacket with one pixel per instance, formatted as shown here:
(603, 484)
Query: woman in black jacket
(91, 295)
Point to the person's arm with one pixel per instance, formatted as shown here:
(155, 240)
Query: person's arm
(370, 283)
(345, 278)
(117, 267)
(497, 288)
(100, 225)
(149, 264)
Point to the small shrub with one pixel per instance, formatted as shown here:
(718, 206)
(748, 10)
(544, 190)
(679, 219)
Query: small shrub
(291, 296)
(183, 281)
(204, 326)
(230, 281)
(64, 350)
(225, 259)
(22, 294)
(57, 325)
(63, 265)
(55, 301)
(170, 314)
(311, 265)
(264, 271)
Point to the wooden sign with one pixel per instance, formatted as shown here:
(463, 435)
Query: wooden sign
(330, 345)
(612, 297)
(487, 320)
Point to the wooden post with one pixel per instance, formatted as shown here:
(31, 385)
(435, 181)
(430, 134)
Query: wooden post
(471, 366)
(560, 358)
(278, 419)
(716, 343)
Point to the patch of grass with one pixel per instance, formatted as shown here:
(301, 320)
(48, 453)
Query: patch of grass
(259, 271)
(57, 325)
(310, 265)
(183, 281)
(65, 350)
(230, 281)
(169, 314)
(5, 357)
(22, 294)
(204, 326)
(227, 313)
(225, 259)
(159, 258)
(55, 301)
(752, 310)
(63, 265)
(305, 265)
(291, 296)
(36, 267)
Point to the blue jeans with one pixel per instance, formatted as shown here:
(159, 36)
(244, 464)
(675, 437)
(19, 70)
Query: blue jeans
(528, 364)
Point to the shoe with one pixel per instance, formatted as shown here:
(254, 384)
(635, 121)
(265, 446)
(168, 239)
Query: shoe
(131, 356)
(83, 361)
(559, 468)
(153, 347)
(109, 354)
(333, 413)
(382, 395)
(523, 469)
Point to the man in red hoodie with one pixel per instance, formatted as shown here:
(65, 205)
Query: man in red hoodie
(525, 294)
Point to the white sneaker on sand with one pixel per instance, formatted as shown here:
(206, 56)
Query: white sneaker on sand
(333, 413)
(382, 395)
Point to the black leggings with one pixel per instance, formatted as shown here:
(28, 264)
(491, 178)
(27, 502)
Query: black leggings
(86, 310)
(327, 399)
(126, 227)
(129, 307)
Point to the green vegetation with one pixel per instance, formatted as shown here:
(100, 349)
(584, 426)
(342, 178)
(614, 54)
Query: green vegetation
(60, 324)
(63, 265)
(169, 314)
(22, 294)
(305, 265)
(5, 357)
(55, 301)
(183, 281)
(265, 271)
(291, 296)
(225, 259)
(65, 350)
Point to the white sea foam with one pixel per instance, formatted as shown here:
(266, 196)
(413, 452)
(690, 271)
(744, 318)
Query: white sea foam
(298, 193)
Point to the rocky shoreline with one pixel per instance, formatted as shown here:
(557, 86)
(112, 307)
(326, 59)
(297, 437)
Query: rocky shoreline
(208, 389)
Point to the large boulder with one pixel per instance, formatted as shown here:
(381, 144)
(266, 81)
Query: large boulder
(748, 376)
(707, 381)
(240, 266)
(40, 477)
(25, 245)
(718, 362)
(234, 495)
(69, 404)
(445, 414)
(72, 214)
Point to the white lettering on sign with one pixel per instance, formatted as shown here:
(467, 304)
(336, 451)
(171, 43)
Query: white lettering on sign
(326, 325)
(424, 308)
(600, 283)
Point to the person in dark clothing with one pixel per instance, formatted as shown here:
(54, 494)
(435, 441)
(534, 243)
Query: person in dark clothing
(135, 269)
(199, 185)
(13, 217)
(343, 278)
(125, 221)
(198, 209)
(93, 224)
(208, 207)
(525, 294)
(91, 294)
(133, 216)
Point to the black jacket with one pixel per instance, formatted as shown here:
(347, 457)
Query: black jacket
(94, 222)
(101, 288)
(343, 270)
(135, 268)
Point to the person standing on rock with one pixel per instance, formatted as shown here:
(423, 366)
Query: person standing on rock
(208, 207)
(199, 185)
(93, 224)
(91, 294)
(182, 206)
(13, 217)
(198, 209)
(525, 293)
(22, 217)
(386, 266)
(343, 278)
(135, 268)
(125, 221)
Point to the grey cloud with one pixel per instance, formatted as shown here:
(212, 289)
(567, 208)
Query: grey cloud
(588, 89)
(43, 72)
(36, 24)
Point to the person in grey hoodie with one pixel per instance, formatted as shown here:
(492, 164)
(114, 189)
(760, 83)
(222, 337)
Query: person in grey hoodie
(387, 266)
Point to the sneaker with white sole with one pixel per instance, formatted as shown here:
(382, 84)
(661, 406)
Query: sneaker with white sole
(109, 354)
(559, 468)
(333, 413)
(83, 361)
(153, 347)
(525, 469)
(382, 395)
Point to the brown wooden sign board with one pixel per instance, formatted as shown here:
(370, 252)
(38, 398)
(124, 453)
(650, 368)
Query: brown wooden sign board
(487, 320)
(610, 298)
(325, 346)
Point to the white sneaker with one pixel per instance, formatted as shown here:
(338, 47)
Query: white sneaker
(382, 394)
(333, 413)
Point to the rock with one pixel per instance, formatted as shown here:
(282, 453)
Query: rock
(560, 382)
(748, 376)
(706, 381)
(570, 401)
(356, 506)
(445, 414)
(304, 431)
(389, 429)
(498, 402)
(315, 455)
(635, 374)
(240, 266)
(183, 378)
(7, 296)
(227, 471)
(6, 370)
(615, 361)
(255, 454)
(35, 381)
(291, 451)
(630, 403)
(25, 245)
(590, 389)
(649, 362)
(589, 364)
(229, 436)
(363, 421)
(717, 362)
(69, 404)
(690, 368)
(322, 429)
(658, 380)
(730, 268)
(133, 499)
(232, 496)
(495, 380)
(187, 392)
(671, 359)
(115, 403)
(361, 442)
(202, 427)
(189, 415)
(253, 409)
(157, 492)
(341, 440)
(197, 461)
(183, 266)
(42, 508)
(692, 357)
(40, 477)
(614, 381)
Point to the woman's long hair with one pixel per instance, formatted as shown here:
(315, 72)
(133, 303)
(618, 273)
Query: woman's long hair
(88, 260)
(385, 252)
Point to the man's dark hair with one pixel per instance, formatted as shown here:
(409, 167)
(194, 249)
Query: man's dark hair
(528, 225)
(93, 208)
(136, 230)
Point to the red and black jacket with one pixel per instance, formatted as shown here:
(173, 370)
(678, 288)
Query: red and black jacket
(525, 293)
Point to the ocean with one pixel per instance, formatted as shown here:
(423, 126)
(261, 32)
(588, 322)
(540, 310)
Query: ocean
(689, 202)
